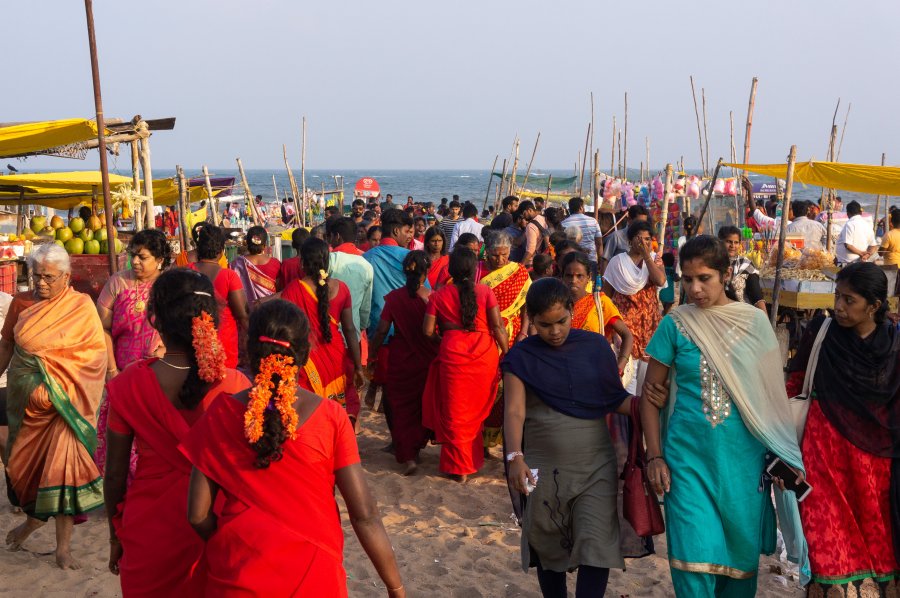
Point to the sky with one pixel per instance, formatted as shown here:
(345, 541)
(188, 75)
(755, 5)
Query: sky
(449, 85)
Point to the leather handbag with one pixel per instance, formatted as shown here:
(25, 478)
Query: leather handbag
(640, 506)
(800, 403)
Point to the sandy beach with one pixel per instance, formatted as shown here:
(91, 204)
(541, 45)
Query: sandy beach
(450, 539)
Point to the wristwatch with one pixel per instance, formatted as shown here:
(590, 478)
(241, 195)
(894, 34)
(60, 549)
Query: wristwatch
(513, 455)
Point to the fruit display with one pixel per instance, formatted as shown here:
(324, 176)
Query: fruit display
(80, 236)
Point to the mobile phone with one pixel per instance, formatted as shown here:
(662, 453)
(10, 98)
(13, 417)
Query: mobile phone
(780, 469)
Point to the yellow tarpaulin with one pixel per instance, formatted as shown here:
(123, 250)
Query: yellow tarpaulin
(34, 137)
(165, 192)
(58, 190)
(862, 178)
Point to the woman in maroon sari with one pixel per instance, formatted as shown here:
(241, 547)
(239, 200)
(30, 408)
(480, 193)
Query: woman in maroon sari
(276, 454)
(411, 356)
(154, 403)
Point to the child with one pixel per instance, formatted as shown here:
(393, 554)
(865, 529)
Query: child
(541, 266)
(667, 295)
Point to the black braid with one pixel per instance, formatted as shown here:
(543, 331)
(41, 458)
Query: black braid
(462, 268)
(415, 265)
(314, 255)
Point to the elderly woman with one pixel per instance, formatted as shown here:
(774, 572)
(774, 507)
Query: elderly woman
(510, 282)
(53, 344)
(122, 306)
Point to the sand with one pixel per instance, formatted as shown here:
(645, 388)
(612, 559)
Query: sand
(453, 540)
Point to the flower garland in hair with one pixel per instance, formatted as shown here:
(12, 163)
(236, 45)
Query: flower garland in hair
(261, 396)
(323, 277)
(208, 348)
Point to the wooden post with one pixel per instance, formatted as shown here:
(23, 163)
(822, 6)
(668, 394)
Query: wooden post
(95, 201)
(136, 185)
(503, 180)
(829, 197)
(144, 146)
(625, 153)
(619, 168)
(20, 224)
(612, 153)
(782, 233)
(878, 208)
(183, 208)
(749, 127)
(491, 180)
(595, 188)
(584, 159)
(549, 184)
(531, 161)
(275, 185)
(101, 136)
(641, 175)
(251, 202)
(301, 208)
(664, 216)
(709, 197)
(211, 199)
(293, 182)
(699, 131)
(843, 130)
(513, 183)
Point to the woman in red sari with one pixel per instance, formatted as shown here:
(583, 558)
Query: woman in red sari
(153, 403)
(411, 356)
(334, 368)
(462, 380)
(259, 272)
(851, 441)
(275, 453)
(229, 291)
(437, 255)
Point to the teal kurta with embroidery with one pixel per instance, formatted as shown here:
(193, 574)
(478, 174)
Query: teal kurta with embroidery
(718, 517)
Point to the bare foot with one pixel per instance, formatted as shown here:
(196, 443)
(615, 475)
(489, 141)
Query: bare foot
(410, 468)
(458, 478)
(65, 561)
(17, 536)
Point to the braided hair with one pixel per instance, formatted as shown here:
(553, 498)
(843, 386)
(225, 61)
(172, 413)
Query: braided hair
(176, 298)
(462, 268)
(314, 255)
(257, 238)
(284, 321)
(415, 265)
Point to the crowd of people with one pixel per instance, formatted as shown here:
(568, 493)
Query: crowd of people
(233, 396)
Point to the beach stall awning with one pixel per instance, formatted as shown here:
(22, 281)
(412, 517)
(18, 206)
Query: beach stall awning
(28, 138)
(862, 178)
(58, 183)
(539, 181)
(165, 191)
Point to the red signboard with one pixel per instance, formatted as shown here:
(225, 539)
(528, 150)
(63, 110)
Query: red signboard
(367, 187)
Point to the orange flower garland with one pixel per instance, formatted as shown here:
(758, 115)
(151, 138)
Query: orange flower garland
(208, 348)
(261, 395)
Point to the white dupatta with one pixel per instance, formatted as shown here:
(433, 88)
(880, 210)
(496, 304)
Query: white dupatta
(624, 276)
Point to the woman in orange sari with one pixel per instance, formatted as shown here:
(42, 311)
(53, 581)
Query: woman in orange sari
(510, 282)
(588, 308)
(55, 352)
(334, 367)
(462, 380)
(153, 404)
(276, 453)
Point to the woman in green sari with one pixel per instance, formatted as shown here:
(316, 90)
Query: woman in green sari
(727, 412)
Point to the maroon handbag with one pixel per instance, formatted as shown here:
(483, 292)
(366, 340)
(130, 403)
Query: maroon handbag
(640, 506)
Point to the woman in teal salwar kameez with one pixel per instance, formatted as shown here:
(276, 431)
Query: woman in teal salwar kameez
(727, 410)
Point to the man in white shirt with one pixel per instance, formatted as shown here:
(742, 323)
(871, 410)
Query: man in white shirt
(857, 239)
(591, 237)
(813, 232)
(467, 225)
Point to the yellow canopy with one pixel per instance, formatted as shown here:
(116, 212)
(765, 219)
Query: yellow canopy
(862, 178)
(58, 183)
(27, 138)
(165, 192)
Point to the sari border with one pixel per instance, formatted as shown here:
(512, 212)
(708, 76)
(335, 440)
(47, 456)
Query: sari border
(834, 580)
(711, 568)
(76, 499)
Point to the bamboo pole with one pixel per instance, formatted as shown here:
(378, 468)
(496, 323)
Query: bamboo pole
(830, 198)
(531, 161)
(549, 184)
(664, 216)
(782, 233)
(612, 153)
(293, 182)
(251, 202)
(699, 131)
(641, 179)
(749, 126)
(20, 217)
(101, 136)
(878, 207)
(491, 180)
(705, 130)
(212, 200)
(136, 185)
(515, 167)
(146, 169)
(503, 179)
(301, 202)
(620, 156)
(625, 152)
(183, 235)
(595, 188)
(709, 197)
(832, 135)
(584, 159)
(843, 130)
(275, 185)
